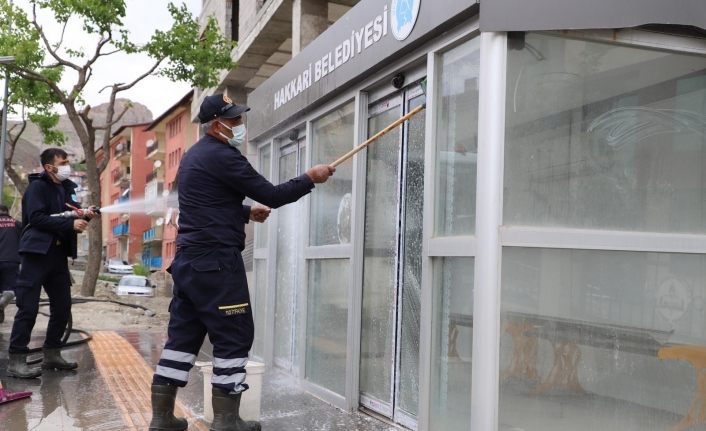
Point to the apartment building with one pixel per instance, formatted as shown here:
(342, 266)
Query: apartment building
(174, 134)
(122, 180)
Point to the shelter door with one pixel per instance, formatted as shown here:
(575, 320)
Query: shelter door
(289, 240)
(389, 368)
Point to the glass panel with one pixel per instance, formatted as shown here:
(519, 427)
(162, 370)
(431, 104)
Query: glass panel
(380, 258)
(261, 229)
(605, 136)
(457, 140)
(259, 301)
(302, 156)
(452, 343)
(411, 274)
(288, 233)
(327, 323)
(331, 204)
(602, 340)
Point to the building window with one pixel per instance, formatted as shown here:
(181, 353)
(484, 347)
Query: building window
(234, 19)
(585, 152)
(327, 323)
(332, 136)
(260, 307)
(265, 162)
(457, 141)
(609, 141)
(174, 127)
(454, 214)
(452, 342)
(288, 262)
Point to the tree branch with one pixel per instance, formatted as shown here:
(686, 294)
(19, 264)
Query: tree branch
(34, 76)
(85, 72)
(81, 129)
(61, 40)
(87, 120)
(116, 121)
(109, 123)
(124, 87)
(47, 45)
(89, 74)
(105, 54)
(13, 142)
(97, 53)
(90, 129)
(15, 177)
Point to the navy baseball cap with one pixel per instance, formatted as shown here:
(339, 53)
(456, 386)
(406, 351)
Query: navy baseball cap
(220, 106)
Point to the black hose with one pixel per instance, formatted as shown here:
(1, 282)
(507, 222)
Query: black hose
(69, 327)
(126, 304)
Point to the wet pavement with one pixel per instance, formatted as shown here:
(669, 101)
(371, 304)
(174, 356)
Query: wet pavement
(110, 391)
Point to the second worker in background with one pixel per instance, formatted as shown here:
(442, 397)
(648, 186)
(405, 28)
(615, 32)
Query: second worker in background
(210, 293)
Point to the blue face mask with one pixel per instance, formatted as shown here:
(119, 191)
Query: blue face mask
(238, 135)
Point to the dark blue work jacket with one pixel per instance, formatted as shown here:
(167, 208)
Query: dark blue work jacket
(43, 198)
(10, 230)
(213, 180)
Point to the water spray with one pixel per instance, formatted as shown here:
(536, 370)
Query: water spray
(143, 205)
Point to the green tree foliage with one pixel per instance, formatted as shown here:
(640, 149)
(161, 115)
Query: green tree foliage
(184, 52)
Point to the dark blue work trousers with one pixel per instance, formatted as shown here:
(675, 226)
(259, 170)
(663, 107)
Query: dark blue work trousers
(8, 275)
(210, 297)
(50, 271)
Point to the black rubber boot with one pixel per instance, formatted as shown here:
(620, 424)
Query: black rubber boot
(5, 299)
(163, 419)
(53, 361)
(17, 367)
(226, 413)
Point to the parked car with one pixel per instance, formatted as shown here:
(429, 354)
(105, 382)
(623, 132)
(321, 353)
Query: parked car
(116, 266)
(134, 285)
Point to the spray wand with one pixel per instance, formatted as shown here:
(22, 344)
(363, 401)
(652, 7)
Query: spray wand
(77, 213)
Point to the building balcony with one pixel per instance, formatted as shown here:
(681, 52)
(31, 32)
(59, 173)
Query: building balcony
(120, 178)
(154, 151)
(116, 175)
(153, 198)
(156, 262)
(121, 230)
(154, 175)
(122, 152)
(153, 234)
(152, 262)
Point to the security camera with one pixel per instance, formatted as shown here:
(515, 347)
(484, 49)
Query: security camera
(398, 80)
(293, 135)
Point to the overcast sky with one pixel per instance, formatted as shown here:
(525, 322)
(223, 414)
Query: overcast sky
(143, 17)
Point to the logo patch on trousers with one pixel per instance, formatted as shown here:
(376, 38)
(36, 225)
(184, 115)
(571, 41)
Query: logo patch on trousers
(235, 309)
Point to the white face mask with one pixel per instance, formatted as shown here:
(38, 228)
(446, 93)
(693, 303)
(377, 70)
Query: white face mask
(63, 172)
(238, 132)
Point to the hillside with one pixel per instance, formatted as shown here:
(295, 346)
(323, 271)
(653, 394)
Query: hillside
(30, 145)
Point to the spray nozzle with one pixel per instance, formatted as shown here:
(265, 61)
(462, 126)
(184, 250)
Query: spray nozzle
(75, 212)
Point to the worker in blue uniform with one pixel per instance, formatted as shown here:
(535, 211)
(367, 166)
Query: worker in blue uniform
(210, 294)
(45, 244)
